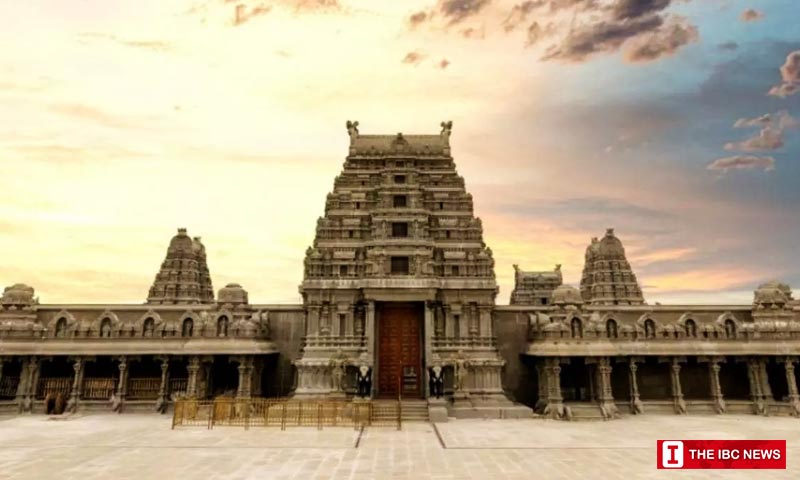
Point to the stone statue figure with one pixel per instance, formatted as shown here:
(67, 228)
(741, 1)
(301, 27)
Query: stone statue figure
(337, 365)
(436, 380)
(461, 366)
(447, 128)
(364, 381)
(352, 129)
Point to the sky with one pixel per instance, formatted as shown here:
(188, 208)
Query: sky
(673, 121)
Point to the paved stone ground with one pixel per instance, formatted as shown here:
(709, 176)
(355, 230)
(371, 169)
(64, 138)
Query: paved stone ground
(143, 447)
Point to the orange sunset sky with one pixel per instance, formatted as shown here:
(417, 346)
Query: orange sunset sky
(124, 120)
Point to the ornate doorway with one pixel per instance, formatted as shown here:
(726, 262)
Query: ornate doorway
(399, 349)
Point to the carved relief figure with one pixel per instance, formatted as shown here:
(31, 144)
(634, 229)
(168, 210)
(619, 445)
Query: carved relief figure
(337, 365)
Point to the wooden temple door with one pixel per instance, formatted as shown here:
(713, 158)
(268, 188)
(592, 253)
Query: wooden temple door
(399, 350)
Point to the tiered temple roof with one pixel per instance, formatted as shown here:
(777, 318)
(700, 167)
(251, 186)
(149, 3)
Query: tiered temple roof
(398, 209)
(184, 275)
(534, 288)
(607, 276)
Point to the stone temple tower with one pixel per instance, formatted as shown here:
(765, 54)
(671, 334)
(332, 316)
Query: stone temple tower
(184, 276)
(398, 277)
(607, 276)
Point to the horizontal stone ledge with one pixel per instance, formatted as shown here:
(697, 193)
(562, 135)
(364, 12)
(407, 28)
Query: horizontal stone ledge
(710, 348)
(164, 346)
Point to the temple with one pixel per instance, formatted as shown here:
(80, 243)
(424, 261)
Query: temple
(399, 302)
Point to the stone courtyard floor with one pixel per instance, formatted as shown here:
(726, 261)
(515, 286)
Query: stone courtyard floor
(143, 447)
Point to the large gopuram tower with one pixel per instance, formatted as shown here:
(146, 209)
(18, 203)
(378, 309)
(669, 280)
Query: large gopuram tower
(399, 278)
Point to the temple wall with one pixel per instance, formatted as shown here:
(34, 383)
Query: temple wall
(511, 329)
(287, 328)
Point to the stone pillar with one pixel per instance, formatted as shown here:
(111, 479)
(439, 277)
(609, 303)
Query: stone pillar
(677, 393)
(791, 380)
(245, 377)
(606, 396)
(753, 374)
(77, 384)
(555, 402)
(161, 402)
(716, 388)
(369, 331)
(428, 335)
(636, 402)
(312, 320)
(473, 320)
(766, 391)
(191, 384)
(541, 383)
(122, 387)
(485, 316)
(23, 400)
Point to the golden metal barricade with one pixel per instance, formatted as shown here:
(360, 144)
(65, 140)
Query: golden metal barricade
(98, 388)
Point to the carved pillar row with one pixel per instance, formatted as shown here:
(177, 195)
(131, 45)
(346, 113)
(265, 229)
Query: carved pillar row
(606, 396)
(677, 392)
(716, 388)
(191, 384)
(636, 402)
(77, 384)
(791, 380)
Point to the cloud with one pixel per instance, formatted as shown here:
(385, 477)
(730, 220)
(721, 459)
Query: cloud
(767, 139)
(662, 42)
(414, 58)
(751, 15)
(472, 32)
(519, 13)
(457, 11)
(742, 162)
(534, 34)
(790, 76)
(444, 63)
(154, 45)
(95, 115)
(632, 9)
(243, 14)
(417, 19)
(603, 36)
(729, 46)
(770, 135)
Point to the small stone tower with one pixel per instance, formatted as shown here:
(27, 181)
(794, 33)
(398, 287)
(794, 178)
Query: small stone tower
(607, 275)
(184, 276)
(534, 288)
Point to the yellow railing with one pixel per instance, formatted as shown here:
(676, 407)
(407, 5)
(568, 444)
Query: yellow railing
(283, 413)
